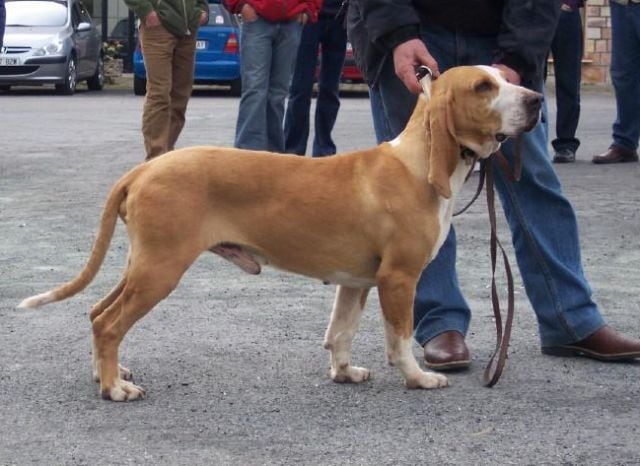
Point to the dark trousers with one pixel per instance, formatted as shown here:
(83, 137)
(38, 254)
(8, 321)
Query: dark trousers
(566, 49)
(330, 36)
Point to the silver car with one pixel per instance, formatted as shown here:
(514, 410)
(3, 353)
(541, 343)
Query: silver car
(50, 42)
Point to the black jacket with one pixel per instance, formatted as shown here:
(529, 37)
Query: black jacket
(524, 29)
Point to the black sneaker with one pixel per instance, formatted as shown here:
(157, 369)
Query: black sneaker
(564, 156)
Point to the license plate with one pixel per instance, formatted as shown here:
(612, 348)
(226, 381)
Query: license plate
(5, 61)
(201, 44)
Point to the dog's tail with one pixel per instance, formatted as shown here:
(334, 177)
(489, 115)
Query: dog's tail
(100, 247)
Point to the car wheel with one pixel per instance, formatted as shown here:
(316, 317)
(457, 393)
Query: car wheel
(71, 79)
(139, 85)
(236, 87)
(96, 82)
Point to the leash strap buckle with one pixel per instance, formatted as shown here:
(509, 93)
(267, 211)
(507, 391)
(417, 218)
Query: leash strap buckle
(424, 75)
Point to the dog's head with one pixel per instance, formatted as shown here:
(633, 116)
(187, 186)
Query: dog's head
(475, 108)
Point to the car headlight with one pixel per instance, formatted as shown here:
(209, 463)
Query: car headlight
(52, 48)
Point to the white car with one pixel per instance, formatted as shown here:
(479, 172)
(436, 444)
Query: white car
(50, 42)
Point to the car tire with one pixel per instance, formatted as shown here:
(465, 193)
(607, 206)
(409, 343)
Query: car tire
(96, 82)
(139, 85)
(71, 79)
(236, 87)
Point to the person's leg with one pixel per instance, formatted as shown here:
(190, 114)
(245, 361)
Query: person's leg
(544, 233)
(256, 52)
(158, 46)
(545, 238)
(296, 120)
(625, 63)
(182, 85)
(285, 47)
(567, 57)
(334, 42)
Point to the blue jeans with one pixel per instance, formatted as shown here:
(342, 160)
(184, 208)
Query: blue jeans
(542, 222)
(567, 57)
(625, 63)
(268, 52)
(331, 35)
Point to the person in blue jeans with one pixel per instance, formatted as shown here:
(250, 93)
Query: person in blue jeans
(625, 69)
(390, 39)
(269, 40)
(330, 36)
(566, 49)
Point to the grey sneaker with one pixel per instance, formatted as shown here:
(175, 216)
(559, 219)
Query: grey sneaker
(564, 156)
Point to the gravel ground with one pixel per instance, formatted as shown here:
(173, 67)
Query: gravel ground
(233, 364)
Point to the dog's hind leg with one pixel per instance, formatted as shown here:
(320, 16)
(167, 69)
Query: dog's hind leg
(95, 312)
(396, 290)
(347, 309)
(144, 287)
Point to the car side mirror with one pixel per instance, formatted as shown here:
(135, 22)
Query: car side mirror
(82, 27)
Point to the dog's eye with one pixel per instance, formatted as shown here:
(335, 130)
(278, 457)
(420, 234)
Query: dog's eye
(483, 86)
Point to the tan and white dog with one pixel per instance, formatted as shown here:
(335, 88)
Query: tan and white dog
(371, 218)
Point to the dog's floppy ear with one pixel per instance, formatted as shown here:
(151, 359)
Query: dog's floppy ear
(443, 149)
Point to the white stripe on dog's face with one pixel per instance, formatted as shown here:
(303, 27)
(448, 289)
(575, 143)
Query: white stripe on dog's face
(511, 104)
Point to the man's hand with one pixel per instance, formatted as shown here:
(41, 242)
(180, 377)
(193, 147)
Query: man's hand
(248, 13)
(152, 19)
(407, 57)
(302, 18)
(509, 74)
(204, 18)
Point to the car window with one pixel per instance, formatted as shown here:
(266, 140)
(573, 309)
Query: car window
(36, 13)
(219, 16)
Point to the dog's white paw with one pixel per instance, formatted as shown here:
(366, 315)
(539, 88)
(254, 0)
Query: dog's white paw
(427, 380)
(123, 391)
(350, 374)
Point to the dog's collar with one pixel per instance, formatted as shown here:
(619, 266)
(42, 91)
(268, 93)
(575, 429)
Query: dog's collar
(467, 153)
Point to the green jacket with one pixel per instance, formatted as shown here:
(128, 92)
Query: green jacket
(179, 17)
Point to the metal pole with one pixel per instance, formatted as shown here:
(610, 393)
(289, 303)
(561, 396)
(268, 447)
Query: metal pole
(105, 20)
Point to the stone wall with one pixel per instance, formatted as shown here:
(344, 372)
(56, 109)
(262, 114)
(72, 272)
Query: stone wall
(597, 44)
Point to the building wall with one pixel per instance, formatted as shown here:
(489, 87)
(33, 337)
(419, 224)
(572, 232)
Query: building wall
(597, 42)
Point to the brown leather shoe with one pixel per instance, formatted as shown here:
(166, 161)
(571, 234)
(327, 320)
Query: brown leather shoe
(446, 351)
(605, 345)
(616, 154)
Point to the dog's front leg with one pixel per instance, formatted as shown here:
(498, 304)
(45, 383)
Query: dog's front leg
(397, 289)
(347, 309)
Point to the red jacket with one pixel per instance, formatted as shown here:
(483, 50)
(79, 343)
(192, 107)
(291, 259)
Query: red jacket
(278, 10)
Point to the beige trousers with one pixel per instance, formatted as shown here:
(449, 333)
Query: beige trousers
(169, 62)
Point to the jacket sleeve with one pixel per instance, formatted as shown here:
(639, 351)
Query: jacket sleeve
(526, 34)
(140, 7)
(390, 22)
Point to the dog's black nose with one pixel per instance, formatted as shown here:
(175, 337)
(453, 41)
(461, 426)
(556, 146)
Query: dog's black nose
(534, 101)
